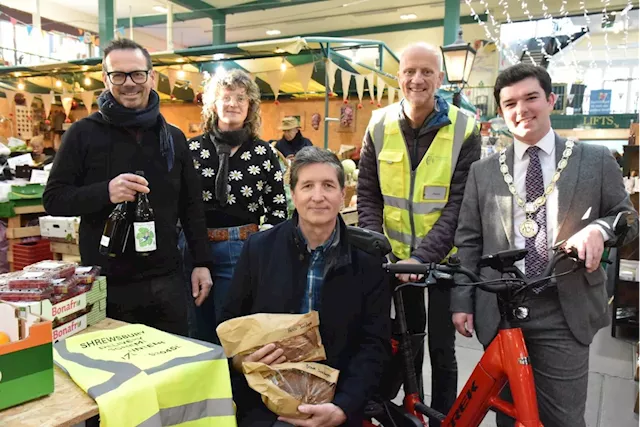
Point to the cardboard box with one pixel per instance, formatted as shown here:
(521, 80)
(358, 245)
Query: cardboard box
(50, 311)
(61, 229)
(70, 328)
(98, 290)
(26, 363)
(77, 312)
(98, 312)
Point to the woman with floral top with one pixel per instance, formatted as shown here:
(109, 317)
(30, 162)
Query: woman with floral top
(241, 180)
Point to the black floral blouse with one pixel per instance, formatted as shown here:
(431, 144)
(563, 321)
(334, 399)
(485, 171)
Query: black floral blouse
(255, 184)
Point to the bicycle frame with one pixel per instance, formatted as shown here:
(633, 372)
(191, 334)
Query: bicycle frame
(505, 360)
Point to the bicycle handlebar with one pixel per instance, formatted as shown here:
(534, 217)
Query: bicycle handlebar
(494, 286)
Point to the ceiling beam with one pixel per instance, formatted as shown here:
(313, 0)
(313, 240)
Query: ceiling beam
(205, 9)
(200, 9)
(148, 20)
(392, 28)
(264, 5)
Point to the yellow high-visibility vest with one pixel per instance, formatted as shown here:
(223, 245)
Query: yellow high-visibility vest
(413, 200)
(140, 376)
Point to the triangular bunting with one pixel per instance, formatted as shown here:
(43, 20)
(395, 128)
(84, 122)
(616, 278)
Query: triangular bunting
(87, 99)
(371, 81)
(172, 76)
(391, 92)
(304, 73)
(331, 68)
(156, 82)
(346, 82)
(381, 85)
(11, 96)
(274, 79)
(29, 98)
(360, 86)
(196, 81)
(66, 104)
(47, 100)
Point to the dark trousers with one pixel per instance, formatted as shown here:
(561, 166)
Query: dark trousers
(441, 341)
(159, 302)
(560, 365)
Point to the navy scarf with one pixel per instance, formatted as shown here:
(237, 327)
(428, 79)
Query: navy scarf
(118, 115)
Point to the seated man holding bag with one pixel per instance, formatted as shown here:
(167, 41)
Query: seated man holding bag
(307, 264)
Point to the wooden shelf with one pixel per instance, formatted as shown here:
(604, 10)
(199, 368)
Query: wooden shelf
(65, 248)
(19, 233)
(20, 210)
(17, 229)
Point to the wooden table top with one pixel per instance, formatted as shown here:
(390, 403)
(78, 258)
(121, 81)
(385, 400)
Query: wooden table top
(66, 407)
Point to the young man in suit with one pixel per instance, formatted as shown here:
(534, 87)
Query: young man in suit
(511, 202)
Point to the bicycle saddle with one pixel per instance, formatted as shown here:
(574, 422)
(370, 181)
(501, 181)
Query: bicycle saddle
(369, 241)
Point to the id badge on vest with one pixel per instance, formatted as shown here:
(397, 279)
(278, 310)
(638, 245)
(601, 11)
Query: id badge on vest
(435, 193)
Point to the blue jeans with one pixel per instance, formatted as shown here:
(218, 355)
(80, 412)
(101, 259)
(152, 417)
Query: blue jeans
(204, 319)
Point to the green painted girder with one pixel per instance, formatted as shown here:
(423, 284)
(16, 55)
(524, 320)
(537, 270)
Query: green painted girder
(264, 5)
(145, 21)
(417, 25)
(106, 20)
(28, 86)
(205, 9)
(341, 34)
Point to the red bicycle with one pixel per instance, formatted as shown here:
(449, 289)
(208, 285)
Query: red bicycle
(506, 359)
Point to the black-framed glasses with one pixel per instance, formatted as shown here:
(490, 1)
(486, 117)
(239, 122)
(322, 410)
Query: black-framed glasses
(119, 77)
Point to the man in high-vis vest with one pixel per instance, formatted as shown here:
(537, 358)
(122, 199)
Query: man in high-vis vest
(414, 163)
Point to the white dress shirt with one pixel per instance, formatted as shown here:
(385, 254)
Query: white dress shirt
(547, 156)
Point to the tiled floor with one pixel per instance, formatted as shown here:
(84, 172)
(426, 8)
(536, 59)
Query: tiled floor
(612, 390)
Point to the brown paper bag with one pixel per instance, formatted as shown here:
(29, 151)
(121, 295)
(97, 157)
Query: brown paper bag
(297, 334)
(286, 386)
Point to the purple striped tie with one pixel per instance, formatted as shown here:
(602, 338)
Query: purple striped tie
(537, 257)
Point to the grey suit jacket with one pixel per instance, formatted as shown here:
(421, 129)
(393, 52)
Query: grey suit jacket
(590, 189)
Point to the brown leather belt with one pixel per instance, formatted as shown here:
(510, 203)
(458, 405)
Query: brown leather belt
(222, 234)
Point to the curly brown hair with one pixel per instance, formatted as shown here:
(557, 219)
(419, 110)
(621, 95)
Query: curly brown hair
(232, 79)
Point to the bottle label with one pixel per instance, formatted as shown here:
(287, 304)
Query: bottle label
(104, 241)
(145, 236)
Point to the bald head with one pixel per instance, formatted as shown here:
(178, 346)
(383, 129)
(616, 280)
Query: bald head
(422, 49)
(420, 76)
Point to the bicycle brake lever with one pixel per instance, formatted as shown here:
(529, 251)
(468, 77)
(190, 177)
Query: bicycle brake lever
(559, 245)
(430, 279)
(435, 276)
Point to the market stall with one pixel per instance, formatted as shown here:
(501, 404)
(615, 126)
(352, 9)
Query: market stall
(286, 69)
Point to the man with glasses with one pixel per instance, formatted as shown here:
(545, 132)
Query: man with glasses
(94, 171)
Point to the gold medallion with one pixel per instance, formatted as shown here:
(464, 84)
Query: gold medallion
(528, 228)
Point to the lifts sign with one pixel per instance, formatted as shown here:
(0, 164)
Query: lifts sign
(467, 395)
